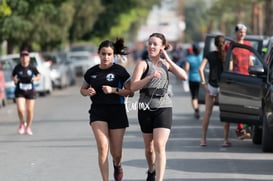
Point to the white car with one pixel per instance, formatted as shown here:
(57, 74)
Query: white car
(62, 74)
(82, 61)
(44, 85)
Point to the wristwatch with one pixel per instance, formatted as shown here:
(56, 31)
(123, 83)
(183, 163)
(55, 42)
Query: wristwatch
(117, 89)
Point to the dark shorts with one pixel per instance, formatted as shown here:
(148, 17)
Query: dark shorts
(194, 88)
(160, 118)
(114, 115)
(31, 94)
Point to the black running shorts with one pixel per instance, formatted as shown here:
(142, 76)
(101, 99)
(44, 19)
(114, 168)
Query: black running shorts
(31, 94)
(159, 118)
(114, 115)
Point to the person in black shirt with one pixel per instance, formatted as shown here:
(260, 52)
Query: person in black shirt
(23, 75)
(107, 84)
(215, 59)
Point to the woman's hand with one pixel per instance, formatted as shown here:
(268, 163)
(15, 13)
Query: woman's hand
(164, 53)
(15, 80)
(87, 90)
(108, 89)
(156, 74)
(205, 86)
(90, 91)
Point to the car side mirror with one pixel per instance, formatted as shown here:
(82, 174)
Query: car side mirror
(256, 70)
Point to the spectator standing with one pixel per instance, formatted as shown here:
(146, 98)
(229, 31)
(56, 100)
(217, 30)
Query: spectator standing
(107, 83)
(24, 74)
(193, 62)
(155, 118)
(215, 59)
(240, 62)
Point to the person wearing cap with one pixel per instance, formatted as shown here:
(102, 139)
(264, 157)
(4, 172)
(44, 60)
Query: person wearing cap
(24, 74)
(241, 57)
(192, 64)
(241, 61)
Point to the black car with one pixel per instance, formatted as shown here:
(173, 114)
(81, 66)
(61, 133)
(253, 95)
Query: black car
(249, 98)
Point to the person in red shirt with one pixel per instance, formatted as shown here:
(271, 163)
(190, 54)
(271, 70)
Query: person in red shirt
(241, 61)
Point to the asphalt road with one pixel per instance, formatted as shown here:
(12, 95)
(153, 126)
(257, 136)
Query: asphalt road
(63, 147)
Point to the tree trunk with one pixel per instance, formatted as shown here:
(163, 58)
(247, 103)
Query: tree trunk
(268, 18)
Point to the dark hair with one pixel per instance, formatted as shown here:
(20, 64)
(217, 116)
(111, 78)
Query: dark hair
(219, 42)
(117, 46)
(196, 49)
(162, 37)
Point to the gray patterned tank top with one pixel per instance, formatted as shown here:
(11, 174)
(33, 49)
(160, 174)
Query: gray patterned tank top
(152, 102)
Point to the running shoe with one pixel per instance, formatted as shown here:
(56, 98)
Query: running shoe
(197, 115)
(118, 173)
(21, 129)
(28, 131)
(243, 134)
(150, 176)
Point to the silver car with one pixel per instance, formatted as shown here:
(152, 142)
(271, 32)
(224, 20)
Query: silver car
(82, 61)
(61, 72)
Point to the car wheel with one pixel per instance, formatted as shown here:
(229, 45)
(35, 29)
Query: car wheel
(3, 103)
(257, 135)
(267, 140)
(42, 94)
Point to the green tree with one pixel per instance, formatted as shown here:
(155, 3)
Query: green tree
(195, 19)
(33, 22)
(86, 14)
(229, 13)
(4, 9)
(48, 24)
(120, 18)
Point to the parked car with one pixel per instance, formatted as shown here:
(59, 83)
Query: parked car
(62, 74)
(71, 73)
(257, 42)
(83, 47)
(82, 61)
(7, 66)
(92, 49)
(248, 98)
(10, 86)
(44, 85)
(2, 89)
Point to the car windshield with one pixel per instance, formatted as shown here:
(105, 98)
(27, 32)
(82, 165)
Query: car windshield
(5, 65)
(79, 58)
(82, 48)
(32, 61)
(7, 75)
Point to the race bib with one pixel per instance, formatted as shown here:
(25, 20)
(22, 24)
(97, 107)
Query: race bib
(25, 87)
